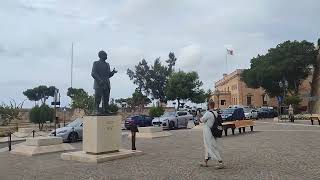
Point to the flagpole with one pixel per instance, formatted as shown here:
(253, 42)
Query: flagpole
(226, 61)
(71, 68)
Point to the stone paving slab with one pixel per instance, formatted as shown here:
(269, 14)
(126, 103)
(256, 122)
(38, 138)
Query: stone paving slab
(281, 154)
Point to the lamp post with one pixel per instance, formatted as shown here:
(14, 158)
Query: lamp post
(56, 93)
(283, 84)
(64, 116)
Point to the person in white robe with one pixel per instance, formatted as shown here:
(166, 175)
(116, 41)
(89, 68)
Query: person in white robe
(212, 145)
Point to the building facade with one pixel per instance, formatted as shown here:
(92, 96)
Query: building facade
(231, 90)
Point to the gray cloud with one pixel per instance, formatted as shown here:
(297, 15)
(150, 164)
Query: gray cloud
(36, 37)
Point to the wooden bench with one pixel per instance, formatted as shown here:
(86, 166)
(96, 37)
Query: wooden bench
(240, 124)
(314, 117)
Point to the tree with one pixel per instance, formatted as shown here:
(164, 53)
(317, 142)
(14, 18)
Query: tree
(290, 60)
(185, 86)
(41, 114)
(138, 100)
(81, 99)
(10, 112)
(156, 111)
(152, 79)
(40, 93)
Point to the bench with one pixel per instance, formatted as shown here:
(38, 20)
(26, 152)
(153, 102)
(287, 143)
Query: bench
(314, 118)
(240, 124)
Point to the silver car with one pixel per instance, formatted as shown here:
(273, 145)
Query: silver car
(70, 133)
(173, 120)
(250, 113)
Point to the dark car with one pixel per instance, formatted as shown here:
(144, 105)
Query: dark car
(267, 113)
(139, 120)
(231, 114)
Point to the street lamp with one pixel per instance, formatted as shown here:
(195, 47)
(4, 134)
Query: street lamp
(283, 84)
(64, 116)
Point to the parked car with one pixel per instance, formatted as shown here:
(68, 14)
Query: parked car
(267, 113)
(70, 133)
(139, 120)
(173, 120)
(250, 113)
(231, 114)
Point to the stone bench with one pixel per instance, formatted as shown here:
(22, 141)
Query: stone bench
(240, 124)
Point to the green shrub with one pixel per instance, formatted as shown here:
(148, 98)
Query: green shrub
(156, 111)
(113, 108)
(41, 114)
(294, 100)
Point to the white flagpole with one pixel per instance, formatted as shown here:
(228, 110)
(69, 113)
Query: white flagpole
(71, 64)
(226, 61)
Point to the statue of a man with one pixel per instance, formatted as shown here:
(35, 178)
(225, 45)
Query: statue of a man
(101, 74)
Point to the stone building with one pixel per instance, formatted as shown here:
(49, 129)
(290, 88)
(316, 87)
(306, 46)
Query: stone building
(231, 90)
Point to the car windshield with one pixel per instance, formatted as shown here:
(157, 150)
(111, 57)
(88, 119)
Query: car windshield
(167, 114)
(228, 111)
(75, 123)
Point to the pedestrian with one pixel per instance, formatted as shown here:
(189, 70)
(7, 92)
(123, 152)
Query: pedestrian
(212, 145)
(290, 112)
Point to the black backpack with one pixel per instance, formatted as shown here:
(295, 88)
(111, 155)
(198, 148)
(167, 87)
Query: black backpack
(217, 128)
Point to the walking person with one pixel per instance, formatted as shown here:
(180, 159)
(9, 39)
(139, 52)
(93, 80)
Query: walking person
(290, 112)
(212, 144)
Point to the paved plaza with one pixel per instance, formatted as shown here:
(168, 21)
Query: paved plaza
(273, 151)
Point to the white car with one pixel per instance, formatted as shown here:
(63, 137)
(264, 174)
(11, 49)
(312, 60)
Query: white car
(173, 120)
(250, 113)
(71, 133)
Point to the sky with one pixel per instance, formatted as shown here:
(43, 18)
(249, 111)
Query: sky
(36, 38)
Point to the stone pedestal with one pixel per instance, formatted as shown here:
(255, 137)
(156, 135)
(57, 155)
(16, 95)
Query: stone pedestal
(41, 145)
(101, 141)
(101, 134)
(151, 132)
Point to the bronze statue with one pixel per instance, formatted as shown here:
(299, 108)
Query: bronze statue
(101, 74)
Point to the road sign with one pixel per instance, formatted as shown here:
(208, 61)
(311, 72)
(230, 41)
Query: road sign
(57, 103)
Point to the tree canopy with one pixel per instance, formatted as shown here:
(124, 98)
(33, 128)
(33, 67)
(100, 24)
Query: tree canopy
(81, 99)
(290, 60)
(152, 79)
(137, 100)
(185, 86)
(41, 92)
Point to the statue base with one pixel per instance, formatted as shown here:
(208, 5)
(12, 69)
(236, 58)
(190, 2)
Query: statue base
(101, 141)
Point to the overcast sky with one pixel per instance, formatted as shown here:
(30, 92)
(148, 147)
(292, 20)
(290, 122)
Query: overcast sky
(36, 37)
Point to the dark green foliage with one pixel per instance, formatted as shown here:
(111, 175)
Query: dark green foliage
(138, 100)
(290, 60)
(293, 100)
(113, 108)
(40, 93)
(185, 86)
(41, 114)
(152, 79)
(81, 99)
(156, 111)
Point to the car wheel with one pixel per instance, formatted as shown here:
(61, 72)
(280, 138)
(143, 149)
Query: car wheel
(73, 137)
(171, 125)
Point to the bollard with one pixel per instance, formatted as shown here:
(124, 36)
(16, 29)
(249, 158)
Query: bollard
(134, 130)
(33, 131)
(9, 141)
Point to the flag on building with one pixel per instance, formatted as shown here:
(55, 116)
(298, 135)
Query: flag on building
(230, 51)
